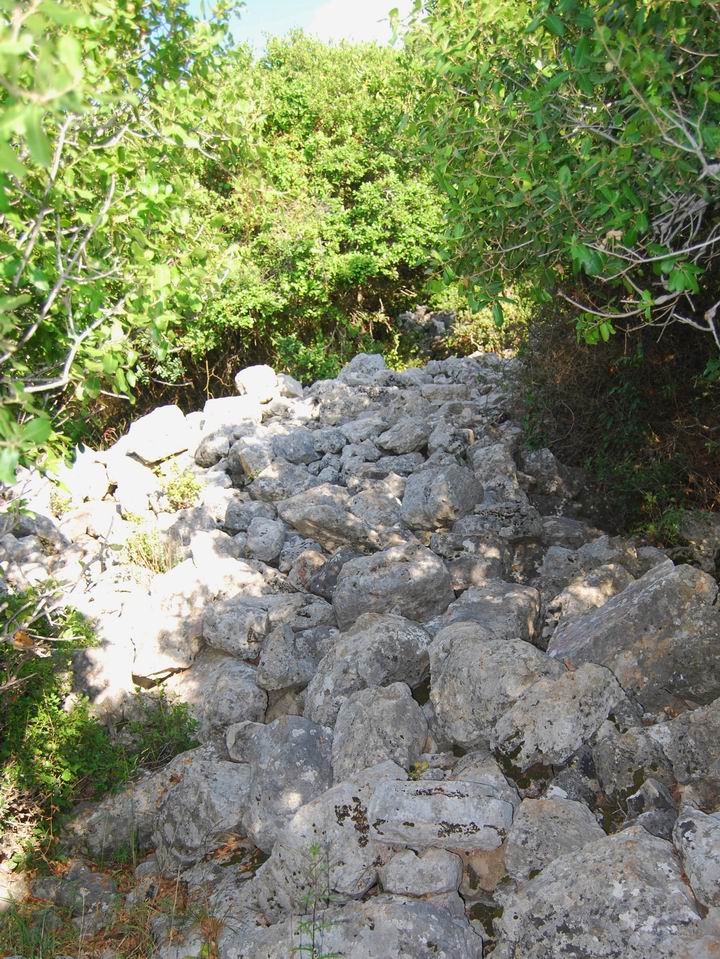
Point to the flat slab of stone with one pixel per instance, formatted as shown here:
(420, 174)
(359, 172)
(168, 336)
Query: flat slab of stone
(659, 637)
(445, 815)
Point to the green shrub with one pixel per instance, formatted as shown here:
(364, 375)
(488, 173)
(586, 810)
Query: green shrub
(182, 489)
(577, 146)
(148, 548)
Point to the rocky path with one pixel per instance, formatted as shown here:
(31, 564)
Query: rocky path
(440, 718)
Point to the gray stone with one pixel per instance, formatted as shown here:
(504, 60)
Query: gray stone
(514, 521)
(329, 440)
(250, 455)
(240, 514)
(297, 446)
(377, 651)
(219, 690)
(410, 580)
(659, 637)
(435, 498)
(480, 767)
(213, 448)
(158, 435)
(279, 481)
(624, 760)
(621, 897)
(565, 531)
(691, 744)
(697, 839)
(323, 513)
(506, 610)
(91, 898)
(258, 382)
(289, 767)
(377, 724)
(700, 532)
(382, 928)
(544, 829)
(446, 815)
(236, 627)
(587, 591)
(337, 821)
(431, 873)
(290, 658)
(265, 538)
(376, 506)
(551, 719)
(237, 412)
(125, 819)
(323, 579)
(473, 560)
(362, 370)
(653, 808)
(205, 801)
(408, 435)
(289, 386)
(475, 678)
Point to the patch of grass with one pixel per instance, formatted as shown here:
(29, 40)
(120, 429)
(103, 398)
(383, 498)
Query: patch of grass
(149, 549)
(182, 489)
(160, 731)
(60, 503)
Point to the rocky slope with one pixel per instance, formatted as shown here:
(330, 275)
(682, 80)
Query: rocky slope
(448, 718)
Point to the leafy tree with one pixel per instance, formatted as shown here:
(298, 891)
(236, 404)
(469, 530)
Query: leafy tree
(109, 123)
(578, 144)
(333, 220)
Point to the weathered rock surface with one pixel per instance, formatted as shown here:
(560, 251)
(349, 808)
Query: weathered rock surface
(409, 580)
(436, 497)
(377, 651)
(205, 801)
(290, 765)
(551, 719)
(697, 839)
(379, 928)
(621, 897)
(475, 678)
(375, 725)
(543, 830)
(658, 636)
(452, 815)
(354, 607)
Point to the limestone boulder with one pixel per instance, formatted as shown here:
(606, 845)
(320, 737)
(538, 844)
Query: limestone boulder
(409, 580)
(658, 636)
(377, 651)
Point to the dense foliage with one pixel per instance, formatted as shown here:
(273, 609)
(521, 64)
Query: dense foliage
(108, 114)
(170, 206)
(578, 142)
(332, 221)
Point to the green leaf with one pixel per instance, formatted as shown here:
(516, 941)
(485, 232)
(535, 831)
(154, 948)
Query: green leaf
(162, 276)
(64, 15)
(9, 458)
(37, 141)
(554, 25)
(70, 54)
(37, 430)
(16, 48)
(9, 161)
(498, 315)
(9, 303)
